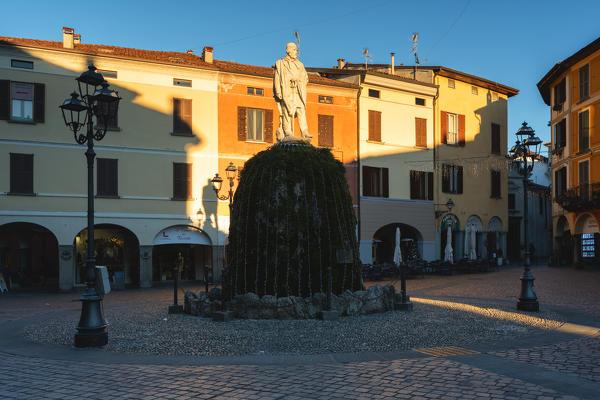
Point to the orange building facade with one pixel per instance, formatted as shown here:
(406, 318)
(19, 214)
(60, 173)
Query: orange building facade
(572, 89)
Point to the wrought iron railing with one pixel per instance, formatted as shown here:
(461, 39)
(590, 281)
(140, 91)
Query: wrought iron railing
(580, 198)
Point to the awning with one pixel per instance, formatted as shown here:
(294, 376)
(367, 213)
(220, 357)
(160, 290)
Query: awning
(181, 234)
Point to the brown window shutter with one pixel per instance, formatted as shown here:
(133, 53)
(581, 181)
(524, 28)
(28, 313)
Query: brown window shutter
(375, 126)
(371, 125)
(420, 132)
(378, 126)
(182, 180)
(444, 126)
(268, 126)
(430, 186)
(461, 130)
(385, 182)
(187, 115)
(459, 179)
(4, 99)
(177, 121)
(39, 101)
(413, 184)
(495, 138)
(21, 173)
(107, 176)
(242, 135)
(325, 126)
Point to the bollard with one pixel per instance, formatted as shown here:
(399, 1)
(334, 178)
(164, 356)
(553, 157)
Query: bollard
(175, 308)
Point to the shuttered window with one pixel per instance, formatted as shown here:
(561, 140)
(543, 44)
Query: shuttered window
(560, 94)
(421, 185)
(326, 130)
(560, 134)
(495, 138)
(584, 82)
(112, 122)
(21, 173)
(182, 181)
(255, 124)
(374, 126)
(584, 130)
(495, 184)
(420, 132)
(452, 178)
(560, 181)
(22, 101)
(375, 182)
(182, 117)
(108, 177)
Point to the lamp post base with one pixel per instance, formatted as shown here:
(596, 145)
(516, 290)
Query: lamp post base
(92, 326)
(527, 300)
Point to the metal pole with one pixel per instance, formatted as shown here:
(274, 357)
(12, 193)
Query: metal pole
(403, 282)
(91, 331)
(527, 299)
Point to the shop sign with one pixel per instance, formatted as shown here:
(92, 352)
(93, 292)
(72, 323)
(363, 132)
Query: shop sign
(181, 235)
(588, 245)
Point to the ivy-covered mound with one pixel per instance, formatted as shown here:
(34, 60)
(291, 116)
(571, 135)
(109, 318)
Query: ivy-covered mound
(292, 218)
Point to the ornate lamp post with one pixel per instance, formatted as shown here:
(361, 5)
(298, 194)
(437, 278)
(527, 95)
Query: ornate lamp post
(525, 151)
(77, 113)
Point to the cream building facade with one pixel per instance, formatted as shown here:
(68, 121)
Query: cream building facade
(146, 164)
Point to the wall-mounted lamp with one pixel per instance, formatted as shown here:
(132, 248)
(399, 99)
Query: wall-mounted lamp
(449, 204)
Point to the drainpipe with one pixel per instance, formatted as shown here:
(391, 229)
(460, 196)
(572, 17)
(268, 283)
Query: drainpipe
(358, 158)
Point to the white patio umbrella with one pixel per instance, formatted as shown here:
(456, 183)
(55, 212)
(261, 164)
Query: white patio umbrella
(466, 241)
(473, 246)
(397, 251)
(448, 252)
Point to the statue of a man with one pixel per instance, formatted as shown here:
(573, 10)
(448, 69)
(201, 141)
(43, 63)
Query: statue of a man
(289, 89)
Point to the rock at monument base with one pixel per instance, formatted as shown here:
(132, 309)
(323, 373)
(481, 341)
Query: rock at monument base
(328, 315)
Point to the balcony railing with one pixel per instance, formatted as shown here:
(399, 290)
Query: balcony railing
(580, 198)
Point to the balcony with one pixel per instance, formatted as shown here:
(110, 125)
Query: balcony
(580, 198)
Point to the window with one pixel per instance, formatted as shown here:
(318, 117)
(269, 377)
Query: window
(182, 181)
(560, 134)
(21, 64)
(22, 101)
(496, 184)
(21, 173)
(375, 182)
(560, 95)
(255, 91)
(474, 90)
(182, 117)
(420, 132)
(182, 82)
(511, 201)
(495, 138)
(584, 180)
(494, 96)
(112, 122)
(419, 101)
(374, 126)
(584, 82)
(584, 130)
(108, 183)
(560, 181)
(421, 185)
(374, 93)
(255, 124)
(326, 130)
(326, 99)
(452, 129)
(451, 83)
(452, 178)
(107, 74)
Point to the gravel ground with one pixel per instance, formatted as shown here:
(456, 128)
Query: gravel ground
(147, 328)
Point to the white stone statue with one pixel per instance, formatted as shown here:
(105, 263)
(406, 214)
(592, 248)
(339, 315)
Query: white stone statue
(289, 89)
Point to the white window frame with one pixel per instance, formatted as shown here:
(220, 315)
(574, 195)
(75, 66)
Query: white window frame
(451, 83)
(255, 125)
(452, 137)
(21, 107)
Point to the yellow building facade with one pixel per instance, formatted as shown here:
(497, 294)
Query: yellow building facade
(572, 90)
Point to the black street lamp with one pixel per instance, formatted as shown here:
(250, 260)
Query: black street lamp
(449, 205)
(95, 101)
(217, 182)
(526, 148)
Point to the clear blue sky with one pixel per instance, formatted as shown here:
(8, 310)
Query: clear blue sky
(511, 42)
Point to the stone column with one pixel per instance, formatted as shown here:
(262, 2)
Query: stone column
(66, 267)
(146, 266)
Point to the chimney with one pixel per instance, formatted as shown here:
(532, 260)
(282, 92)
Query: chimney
(68, 37)
(341, 63)
(392, 62)
(76, 38)
(207, 54)
(191, 52)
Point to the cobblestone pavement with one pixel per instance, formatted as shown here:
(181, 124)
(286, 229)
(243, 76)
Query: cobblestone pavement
(551, 365)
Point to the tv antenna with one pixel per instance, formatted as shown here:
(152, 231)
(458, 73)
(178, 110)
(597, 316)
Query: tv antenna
(415, 38)
(367, 57)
